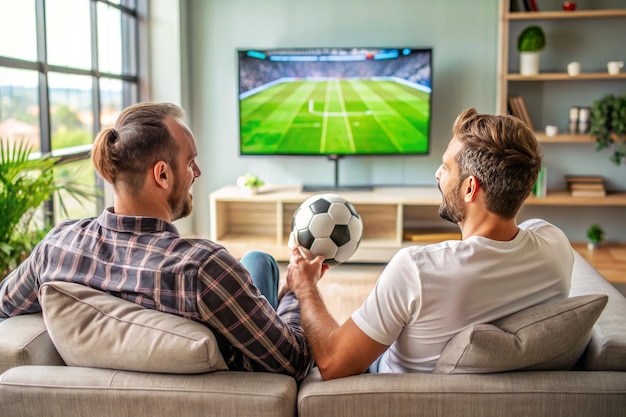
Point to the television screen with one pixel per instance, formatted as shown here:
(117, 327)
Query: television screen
(335, 101)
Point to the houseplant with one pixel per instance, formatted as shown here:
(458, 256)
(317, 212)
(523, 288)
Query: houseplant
(530, 42)
(250, 183)
(595, 235)
(608, 126)
(26, 182)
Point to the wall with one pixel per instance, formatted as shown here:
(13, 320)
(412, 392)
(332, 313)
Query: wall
(464, 38)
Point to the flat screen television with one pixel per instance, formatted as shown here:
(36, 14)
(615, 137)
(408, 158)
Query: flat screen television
(335, 101)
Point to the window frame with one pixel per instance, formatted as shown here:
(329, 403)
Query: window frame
(132, 33)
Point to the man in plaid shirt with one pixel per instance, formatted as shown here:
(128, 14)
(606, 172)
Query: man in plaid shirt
(133, 251)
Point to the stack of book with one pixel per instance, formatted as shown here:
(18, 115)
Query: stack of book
(541, 186)
(585, 186)
(517, 107)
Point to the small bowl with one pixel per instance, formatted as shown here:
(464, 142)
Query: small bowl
(569, 6)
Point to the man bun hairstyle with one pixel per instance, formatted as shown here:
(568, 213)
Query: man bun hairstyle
(140, 138)
(503, 154)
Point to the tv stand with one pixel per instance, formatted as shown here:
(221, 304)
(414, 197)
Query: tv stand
(393, 217)
(329, 188)
(336, 187)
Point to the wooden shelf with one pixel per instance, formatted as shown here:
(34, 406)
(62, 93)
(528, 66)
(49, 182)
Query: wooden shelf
(563, 76)
(563, 198)
(393, 217)
(609, 259)
(242, 222)
(576, 14)
(564, 138)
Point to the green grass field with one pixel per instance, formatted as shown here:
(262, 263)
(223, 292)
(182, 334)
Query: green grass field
(335, 117)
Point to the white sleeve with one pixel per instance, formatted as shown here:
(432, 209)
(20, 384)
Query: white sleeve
(393, 302)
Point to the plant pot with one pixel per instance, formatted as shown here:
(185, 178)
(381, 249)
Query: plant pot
(250, 190)
(593, 245)
(529, 63)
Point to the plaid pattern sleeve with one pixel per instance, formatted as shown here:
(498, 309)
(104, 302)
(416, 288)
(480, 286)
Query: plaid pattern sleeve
(144, 260)
(260, 338)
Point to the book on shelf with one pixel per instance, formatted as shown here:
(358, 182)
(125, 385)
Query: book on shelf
(585, 185)
(588, 193)
(518, 108)
(416, 235)
(519, 6)
(540, 189)
(584, 179)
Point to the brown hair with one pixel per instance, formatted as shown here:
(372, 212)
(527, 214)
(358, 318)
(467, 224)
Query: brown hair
(503, 154)
(139, 139)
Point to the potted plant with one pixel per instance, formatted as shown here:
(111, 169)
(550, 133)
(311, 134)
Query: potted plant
(25, 184)
(595, 235)
(530, 42)
(250, 183)
(608, 126)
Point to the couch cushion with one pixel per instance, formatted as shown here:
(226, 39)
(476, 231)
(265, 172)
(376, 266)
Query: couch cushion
(506, 394)
(67, 391)
(24, 340)
(607, 348)
(94, 329)
(545, 337)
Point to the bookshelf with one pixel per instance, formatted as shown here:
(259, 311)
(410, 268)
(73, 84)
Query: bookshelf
(572, 35)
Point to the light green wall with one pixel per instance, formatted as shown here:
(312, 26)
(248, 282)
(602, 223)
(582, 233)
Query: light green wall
(464, 38)
(464, 42)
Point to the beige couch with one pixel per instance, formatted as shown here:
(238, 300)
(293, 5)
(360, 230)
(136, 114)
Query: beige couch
(36, 381)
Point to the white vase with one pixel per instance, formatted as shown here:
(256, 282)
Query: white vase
(593, 245)
(529, 63)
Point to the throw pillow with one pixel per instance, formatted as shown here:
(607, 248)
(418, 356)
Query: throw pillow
(549, 336)
(94, 329)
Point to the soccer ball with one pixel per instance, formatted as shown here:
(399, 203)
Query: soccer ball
(327, 225)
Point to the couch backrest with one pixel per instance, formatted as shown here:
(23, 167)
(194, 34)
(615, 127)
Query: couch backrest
(607, 348)
(24, 340)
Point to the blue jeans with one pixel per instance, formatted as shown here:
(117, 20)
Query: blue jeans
(265, 274)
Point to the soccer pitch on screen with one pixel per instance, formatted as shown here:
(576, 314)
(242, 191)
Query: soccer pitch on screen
(335, 116)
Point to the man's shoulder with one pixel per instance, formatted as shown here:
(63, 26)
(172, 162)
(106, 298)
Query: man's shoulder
(536, 224)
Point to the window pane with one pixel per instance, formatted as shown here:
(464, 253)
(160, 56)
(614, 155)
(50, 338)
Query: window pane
(68, 26)
(112, 99)
(109, 39)
(131, 4)
(71, 110)
(83, 174)
(130, 53)
(19, 106)
(18, 29)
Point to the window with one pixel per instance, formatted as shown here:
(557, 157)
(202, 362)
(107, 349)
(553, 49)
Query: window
(67, 69)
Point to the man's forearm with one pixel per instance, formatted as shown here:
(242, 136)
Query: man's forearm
(318, 324)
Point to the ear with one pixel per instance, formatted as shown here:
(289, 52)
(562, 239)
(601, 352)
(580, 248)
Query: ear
(162, 174)
(470, 188)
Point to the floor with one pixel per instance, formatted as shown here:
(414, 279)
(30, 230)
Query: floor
(344, 287)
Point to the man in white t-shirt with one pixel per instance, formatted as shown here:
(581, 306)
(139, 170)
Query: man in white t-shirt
(427, 294)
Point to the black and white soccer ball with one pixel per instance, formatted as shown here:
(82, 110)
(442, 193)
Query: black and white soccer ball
(327, 225)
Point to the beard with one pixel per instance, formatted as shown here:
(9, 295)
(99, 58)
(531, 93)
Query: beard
(180, 202)
(451, 208)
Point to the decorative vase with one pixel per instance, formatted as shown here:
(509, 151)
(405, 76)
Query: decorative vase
(529, 63)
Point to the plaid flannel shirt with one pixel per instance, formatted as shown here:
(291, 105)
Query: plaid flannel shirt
(144, 260)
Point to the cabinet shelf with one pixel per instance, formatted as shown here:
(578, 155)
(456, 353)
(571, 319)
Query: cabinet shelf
(564, 198)
(563, 76)
(393, 217)
(564, 138)
(243, 222)
(576, 14)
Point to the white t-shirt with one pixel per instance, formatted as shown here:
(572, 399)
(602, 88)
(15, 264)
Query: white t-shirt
(427, 294)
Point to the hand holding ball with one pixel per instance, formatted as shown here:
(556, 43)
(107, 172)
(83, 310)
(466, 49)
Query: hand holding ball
(327, 225)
